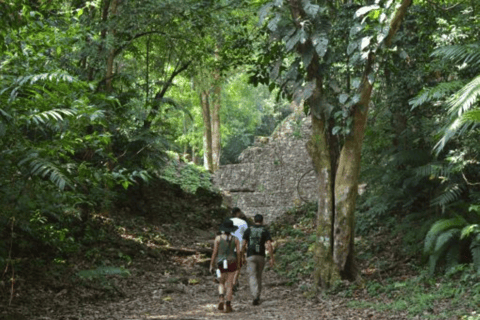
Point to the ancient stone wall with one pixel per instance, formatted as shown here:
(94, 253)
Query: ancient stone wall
(273, 175)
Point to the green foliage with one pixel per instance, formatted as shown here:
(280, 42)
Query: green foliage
(102, 276)
(101, 273)
(186, 174)
(294, 230)
(446, 238)
(425, 297)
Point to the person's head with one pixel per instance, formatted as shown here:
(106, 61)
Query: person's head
(236, 212)
(258, 219)
(228, 227)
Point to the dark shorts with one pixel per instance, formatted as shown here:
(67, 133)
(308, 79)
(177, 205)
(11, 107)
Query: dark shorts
(231, 267)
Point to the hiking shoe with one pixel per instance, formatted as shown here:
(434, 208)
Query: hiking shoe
(256, 302)
(228, 309)
(220, 306)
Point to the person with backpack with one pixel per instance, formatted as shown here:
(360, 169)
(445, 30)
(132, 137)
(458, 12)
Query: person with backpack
(241, 223)
(255, 239)
(226, 257)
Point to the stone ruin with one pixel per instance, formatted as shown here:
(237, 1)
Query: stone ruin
(275, 174)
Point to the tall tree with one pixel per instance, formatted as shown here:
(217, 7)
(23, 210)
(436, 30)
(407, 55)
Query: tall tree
(335, 78)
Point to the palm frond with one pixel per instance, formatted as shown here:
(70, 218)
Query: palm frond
(44, 116)
(467, 53)
(459, 104)
(463, 100)
(439, 92)
(472, 115)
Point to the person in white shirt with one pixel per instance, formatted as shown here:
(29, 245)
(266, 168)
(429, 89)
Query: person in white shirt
(242, 225)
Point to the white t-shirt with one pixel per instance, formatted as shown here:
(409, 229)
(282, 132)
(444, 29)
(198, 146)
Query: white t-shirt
(242, 226)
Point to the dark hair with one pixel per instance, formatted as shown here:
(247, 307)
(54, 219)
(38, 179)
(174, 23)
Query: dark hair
(235, 211)
(258, 218)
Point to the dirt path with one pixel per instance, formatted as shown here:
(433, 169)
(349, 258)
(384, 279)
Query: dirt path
(181, 288)
(187, 292)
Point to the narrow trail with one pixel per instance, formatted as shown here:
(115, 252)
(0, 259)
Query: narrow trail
(154, 297)
(179, 287)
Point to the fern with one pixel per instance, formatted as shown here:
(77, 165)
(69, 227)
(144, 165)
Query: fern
(44, 168)
(451, 194)
(442, 244)
(433, 170)
(469, 230)
(55, 114)
(453, 254)
(475, 249)
(438, 228)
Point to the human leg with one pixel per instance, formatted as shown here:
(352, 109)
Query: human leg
(255, 266)
(229, 290)
(221, 290)
(260, 266)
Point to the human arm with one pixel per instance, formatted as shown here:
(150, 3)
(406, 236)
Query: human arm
(270, 252)
(239, 253)
(214, 254)
(244, 250)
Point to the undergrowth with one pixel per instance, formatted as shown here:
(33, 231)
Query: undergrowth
(393, 277)
(188, 175)
(453, 296)
(295, 238)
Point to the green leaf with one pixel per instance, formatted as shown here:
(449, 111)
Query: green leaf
(294, 39)
(360, 12)
(356, 29)
(364, 43)
(273, 24)
(320, 42)
(351, 47)
(310, 9)
(343, 98)
(264, 12)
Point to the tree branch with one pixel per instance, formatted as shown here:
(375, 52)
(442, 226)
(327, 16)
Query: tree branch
(397, 21)
(167, 84)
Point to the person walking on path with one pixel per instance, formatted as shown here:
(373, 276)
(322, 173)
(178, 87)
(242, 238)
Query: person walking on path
(255, 239)
(238, 221)
(226, 257)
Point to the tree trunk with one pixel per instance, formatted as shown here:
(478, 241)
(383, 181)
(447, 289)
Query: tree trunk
(216, 135)
(111, 51)
(207, 133)
(337, 180)
(147, 75)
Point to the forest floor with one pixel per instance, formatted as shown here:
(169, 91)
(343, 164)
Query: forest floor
(179, 287)
(143, 279)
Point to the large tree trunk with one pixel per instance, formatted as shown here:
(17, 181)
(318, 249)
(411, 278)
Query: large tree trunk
(207, 133)
(337, 174)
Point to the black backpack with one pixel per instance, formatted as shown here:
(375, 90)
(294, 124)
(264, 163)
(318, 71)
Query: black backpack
(255, 240)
